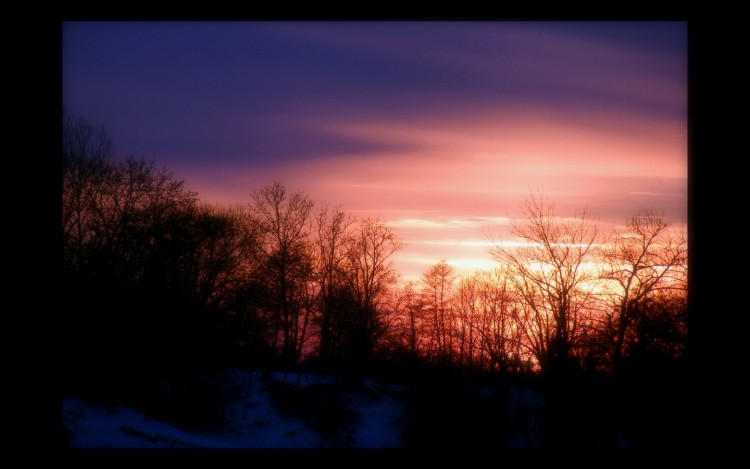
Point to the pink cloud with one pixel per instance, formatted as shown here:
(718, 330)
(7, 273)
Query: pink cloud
(461, 173)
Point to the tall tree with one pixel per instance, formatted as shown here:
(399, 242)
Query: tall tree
(87, 152)
(438, 289)
(407, 330)
(550, 275)
(335, 305)
(283, 222)
(371, 273)
(500, 331)
(223, 254)
(128, 247)
(466, 308)
(645, 258)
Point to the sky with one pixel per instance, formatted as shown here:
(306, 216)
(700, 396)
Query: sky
(441, 129)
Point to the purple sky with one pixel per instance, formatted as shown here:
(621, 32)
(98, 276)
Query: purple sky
(439, 128)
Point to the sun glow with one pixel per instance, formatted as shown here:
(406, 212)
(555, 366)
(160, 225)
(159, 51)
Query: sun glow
(471, 265)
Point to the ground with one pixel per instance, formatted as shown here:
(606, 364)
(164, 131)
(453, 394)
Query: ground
(280, 410)
(297, 410)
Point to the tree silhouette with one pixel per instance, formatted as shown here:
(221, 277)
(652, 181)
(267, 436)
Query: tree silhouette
(640, 261)
(549, 273)
(224, 253)
(467, 307)
(371, 273)
(336, 303)
(86, 152)
(437, 293)
(406, 323)
(285, 265)
(499, 325)
(137, 261)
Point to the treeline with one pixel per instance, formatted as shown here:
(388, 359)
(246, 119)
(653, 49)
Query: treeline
(564, 299)
(156, 281)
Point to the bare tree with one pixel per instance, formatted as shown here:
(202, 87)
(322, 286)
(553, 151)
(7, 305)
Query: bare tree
(466, 308)
(284, 222)
(500, 329)
(333, 239)
(437, 293)
(647, 257)
(224, 252)
(139, 258)
(548, 270)
(412, 319)
(371, 273)
(86, 164)
(113, 212)
(135, 209)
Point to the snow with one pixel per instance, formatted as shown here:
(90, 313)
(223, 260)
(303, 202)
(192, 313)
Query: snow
(251, 420)
(96, 426)
(293, 410)
(380, 426)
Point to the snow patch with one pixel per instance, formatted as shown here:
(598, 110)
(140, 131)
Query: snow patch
(251, 420)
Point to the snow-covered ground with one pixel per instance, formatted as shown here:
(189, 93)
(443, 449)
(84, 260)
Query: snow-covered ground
(291, 410)
(374, 419)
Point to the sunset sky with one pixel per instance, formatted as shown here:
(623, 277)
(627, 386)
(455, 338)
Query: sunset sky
(440, 128)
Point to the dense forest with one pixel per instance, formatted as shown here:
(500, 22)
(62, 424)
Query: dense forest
(158, 284)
